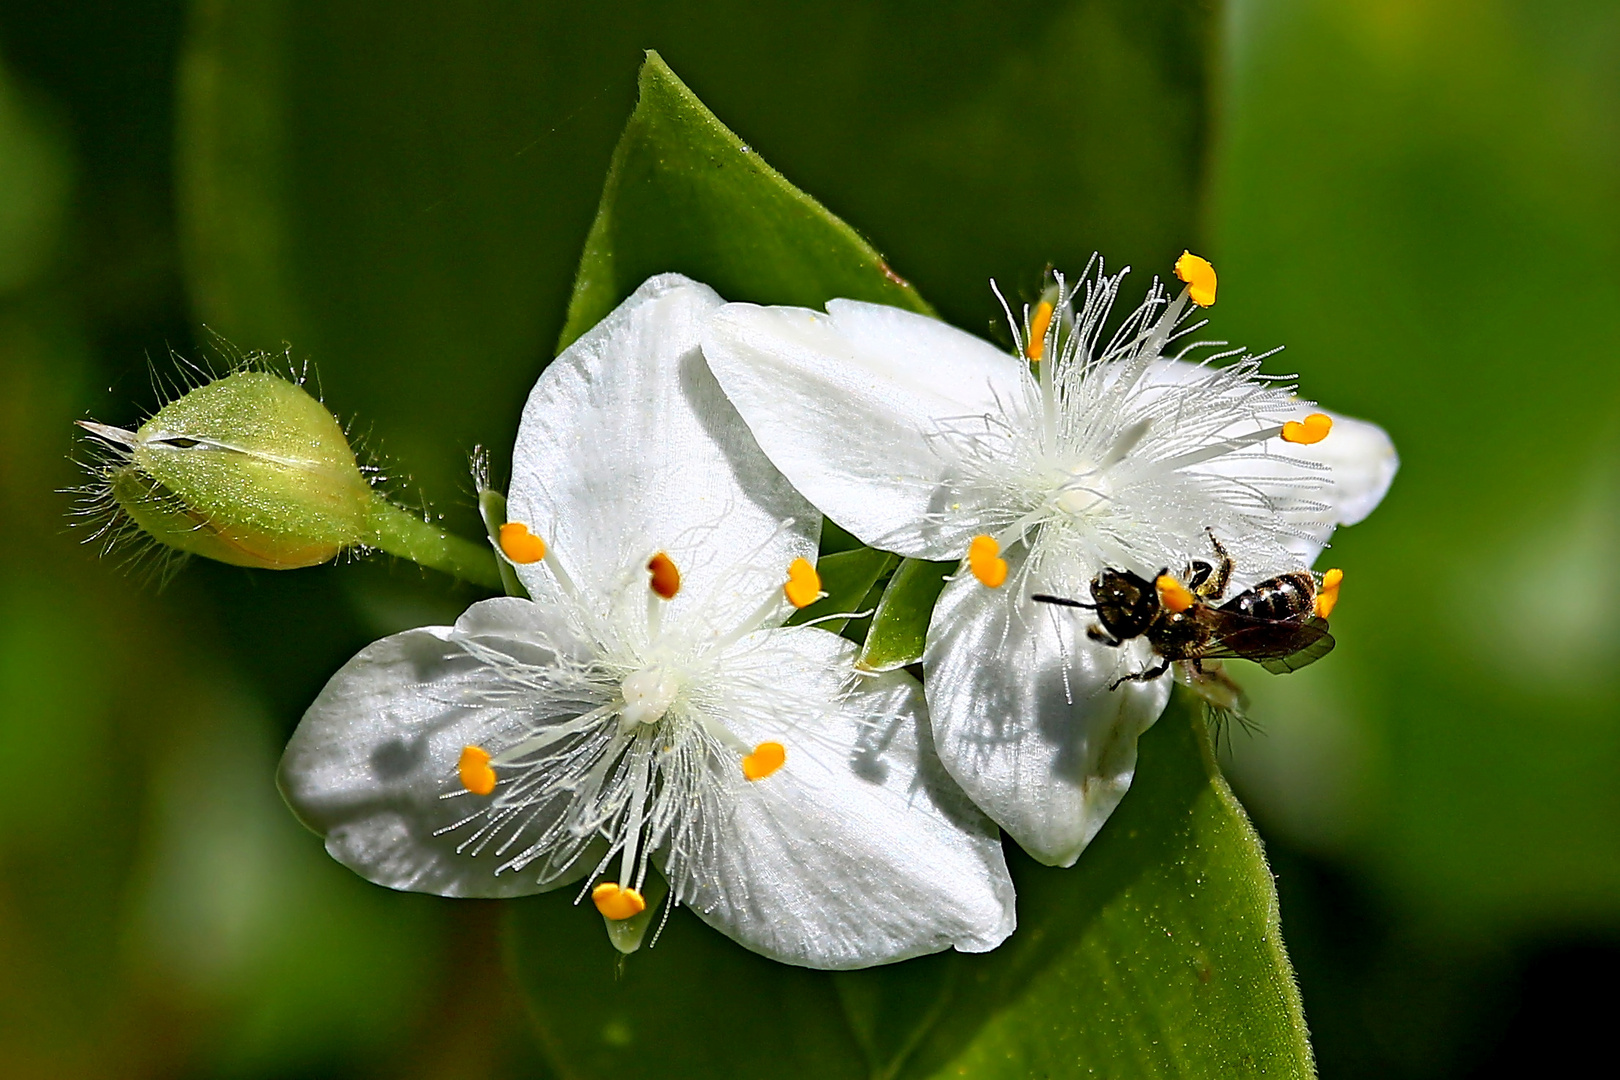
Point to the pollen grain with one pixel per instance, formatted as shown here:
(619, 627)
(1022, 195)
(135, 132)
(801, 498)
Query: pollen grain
(1038, 324)
(1313, 429)
(985, 561)
(520, 545)
(1327, 597)
(476, 774)
(1199, 276)
(803, 586)
(766, 759)
(1173, 595)
(664, 578)
(617, 903)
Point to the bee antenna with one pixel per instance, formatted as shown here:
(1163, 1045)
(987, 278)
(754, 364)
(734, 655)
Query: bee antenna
(1062, 601)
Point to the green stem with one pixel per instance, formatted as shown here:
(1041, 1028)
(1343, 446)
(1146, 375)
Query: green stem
(400, 533)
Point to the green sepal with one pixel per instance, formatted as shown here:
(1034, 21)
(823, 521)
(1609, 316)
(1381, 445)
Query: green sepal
(900, 625)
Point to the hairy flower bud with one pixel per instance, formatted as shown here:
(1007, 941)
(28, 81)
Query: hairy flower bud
(253, 471)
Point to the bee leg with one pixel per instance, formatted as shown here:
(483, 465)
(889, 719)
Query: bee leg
(1142, 676)
(1096, 633)
(1216, 586)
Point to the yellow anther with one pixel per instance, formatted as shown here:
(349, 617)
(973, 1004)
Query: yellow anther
(616, 903)
(803, 586)
(1037, 329)
(1173, 595)
(1313, 429)
(1199, 276)
(1327, 597)
(476, 775)
(521, 545)
(766, 759)
(664, 579)
(983, 560)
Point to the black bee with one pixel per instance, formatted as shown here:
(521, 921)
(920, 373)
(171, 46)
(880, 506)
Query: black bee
(1274, 624)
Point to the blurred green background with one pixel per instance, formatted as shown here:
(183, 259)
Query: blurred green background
(1420, 198)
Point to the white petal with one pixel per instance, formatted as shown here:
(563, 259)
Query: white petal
(859, 850)
(1359, 457)
(869, 410)
(1023, 715)
(1360, 464)
(1363, 461)
(375, 754)
(628, 447)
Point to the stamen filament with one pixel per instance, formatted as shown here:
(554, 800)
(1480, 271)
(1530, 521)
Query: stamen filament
(1220, 449)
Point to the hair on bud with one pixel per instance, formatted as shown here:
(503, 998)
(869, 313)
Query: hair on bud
(248, 469)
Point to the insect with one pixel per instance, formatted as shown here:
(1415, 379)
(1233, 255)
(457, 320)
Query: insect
(1280, 623)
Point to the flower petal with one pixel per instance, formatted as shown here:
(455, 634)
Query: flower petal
(1357, 465)
(374, 757)
(1364, 464)
(628, 447)
(858, 407)
(1023, 715)
(859, 849)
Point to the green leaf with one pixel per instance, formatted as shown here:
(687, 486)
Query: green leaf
(846, 577)
(690, 1004)
(1157, 955)
(685, 194)
(901, 623)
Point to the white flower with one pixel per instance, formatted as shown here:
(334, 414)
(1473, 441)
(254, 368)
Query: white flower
(648, 707)
(924, 440)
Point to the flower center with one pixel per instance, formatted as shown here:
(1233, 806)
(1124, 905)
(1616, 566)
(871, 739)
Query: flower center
(648, 694)
(1082, 490)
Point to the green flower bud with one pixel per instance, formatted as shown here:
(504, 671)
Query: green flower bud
(253, 471)
(249, 470)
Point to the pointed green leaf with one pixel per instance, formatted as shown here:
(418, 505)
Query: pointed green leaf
(686, 194)
(900, 624)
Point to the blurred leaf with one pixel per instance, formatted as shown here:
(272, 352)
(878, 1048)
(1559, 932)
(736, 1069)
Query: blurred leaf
(900, 625)
(692, 1004)
(1158, 955)
(684, 194)
(33, 189)
(1463, 754)
(391, 193)
(401, 192)
(846, 578)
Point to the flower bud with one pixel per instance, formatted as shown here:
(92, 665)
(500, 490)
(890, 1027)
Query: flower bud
(249, 470)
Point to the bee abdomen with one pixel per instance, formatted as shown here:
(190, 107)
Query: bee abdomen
(1284, 598)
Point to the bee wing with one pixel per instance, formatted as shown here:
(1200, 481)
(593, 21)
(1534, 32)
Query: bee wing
(1276, 645)
(1306, 656)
